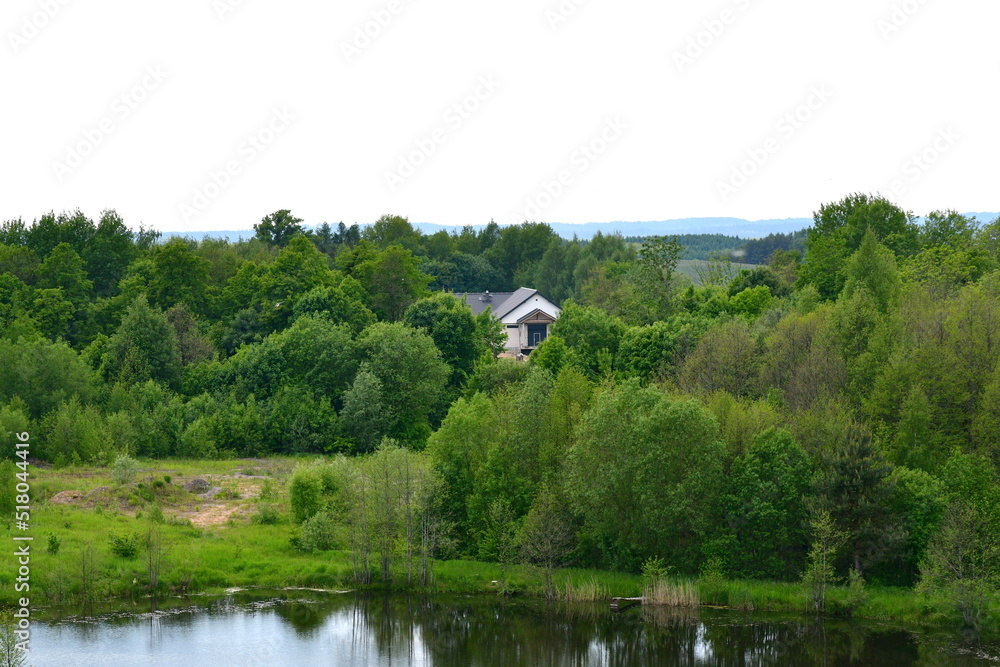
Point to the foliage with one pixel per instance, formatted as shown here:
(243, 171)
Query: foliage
(143, 348)
(318, 532)
(857, 374)
(11, 654)
(365, 415)
(453, 329)
(306, 492)
(124, 546)
(52, 544)
(638, 449)
(856, 490)
(124, 469)
(278, 228)
(411, 371)
(819, 574)
(765, 510)
(962, 560)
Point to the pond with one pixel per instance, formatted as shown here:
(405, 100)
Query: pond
(314, 628)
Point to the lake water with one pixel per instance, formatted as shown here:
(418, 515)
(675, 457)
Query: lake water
(312, 628)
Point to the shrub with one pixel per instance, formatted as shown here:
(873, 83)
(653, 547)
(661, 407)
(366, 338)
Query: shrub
(156, 514)
(306, 492)
(124, 546)
(712, 583)
(53, 545)
(267, 491)
(266, 515)
(196, 441)
(857, 595)
(123, 470)
(318, 533)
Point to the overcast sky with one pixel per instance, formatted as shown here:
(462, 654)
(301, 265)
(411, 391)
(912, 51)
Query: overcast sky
(209, 114)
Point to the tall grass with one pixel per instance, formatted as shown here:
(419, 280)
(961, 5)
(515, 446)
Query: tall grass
(589, 590)
(665, 591)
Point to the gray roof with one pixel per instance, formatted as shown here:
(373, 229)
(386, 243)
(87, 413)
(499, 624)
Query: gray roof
(502, 303)
(513, 301)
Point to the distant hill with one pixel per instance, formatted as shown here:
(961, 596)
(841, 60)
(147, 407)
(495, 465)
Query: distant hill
(739, 227)
(727, 226)
(231, 235)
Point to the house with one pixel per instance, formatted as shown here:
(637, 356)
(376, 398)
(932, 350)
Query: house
(525, 313)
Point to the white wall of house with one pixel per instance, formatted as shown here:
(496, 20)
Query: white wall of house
(513, 339)
(517, 335)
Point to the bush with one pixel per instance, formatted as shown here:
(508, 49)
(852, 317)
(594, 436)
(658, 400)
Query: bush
(267, 491)
(712, 582)
(124, 546)
(318, 533)
(305, 491)
(123, 470)
(196, 441)
(53, 545)
(156, 514)
(266, 515)
(857, 595)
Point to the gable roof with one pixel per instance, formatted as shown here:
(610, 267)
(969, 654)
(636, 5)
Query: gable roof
(513, 301)
(480, 301)
(502, 303)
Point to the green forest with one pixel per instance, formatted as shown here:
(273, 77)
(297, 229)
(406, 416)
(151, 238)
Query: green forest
(830, 415)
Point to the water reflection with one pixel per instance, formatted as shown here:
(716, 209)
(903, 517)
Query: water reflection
(306, 628)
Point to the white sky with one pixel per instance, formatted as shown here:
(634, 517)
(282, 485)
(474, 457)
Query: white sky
(678, 131)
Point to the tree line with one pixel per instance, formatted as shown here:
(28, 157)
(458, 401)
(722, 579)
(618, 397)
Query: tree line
(854, 382)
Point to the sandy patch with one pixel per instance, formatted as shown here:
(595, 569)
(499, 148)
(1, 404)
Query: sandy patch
(213, 515)
(217, 512)
(67, 498)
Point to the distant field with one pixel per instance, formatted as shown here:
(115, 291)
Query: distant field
(691, 268)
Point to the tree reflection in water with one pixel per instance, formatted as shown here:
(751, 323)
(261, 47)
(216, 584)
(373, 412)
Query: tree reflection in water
(449, 631)
(302, 627)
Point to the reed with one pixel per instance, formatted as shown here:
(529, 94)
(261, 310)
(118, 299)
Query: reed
(589, 590)
(664, 591)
